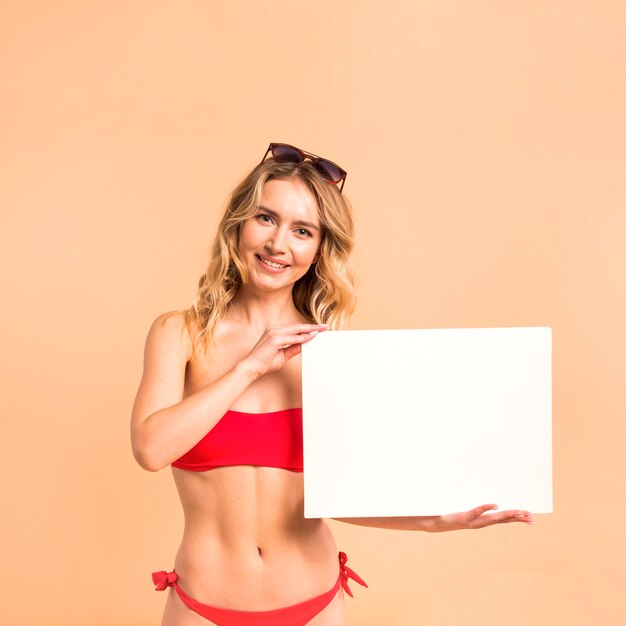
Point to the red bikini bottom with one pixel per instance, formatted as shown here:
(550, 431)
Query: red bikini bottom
(292, 615)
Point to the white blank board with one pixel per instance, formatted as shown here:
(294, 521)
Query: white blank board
(427, 422)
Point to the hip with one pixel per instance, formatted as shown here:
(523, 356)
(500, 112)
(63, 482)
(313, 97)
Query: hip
(243, 569)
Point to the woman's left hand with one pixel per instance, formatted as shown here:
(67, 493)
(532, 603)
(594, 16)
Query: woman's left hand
(476, 518)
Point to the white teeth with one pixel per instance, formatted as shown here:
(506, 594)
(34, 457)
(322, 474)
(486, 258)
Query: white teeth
(271, 263)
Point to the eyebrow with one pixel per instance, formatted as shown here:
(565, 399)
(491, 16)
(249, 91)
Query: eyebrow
(298, 222)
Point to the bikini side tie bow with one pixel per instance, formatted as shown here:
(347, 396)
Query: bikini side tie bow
(347, 573)
(164, 579)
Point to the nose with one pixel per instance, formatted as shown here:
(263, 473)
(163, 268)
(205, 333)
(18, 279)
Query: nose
(277, 242)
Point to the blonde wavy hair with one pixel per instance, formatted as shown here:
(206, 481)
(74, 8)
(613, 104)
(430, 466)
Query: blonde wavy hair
(324, 295)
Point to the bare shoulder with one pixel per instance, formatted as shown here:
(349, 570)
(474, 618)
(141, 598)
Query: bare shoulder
(170, 328)
(166, 353)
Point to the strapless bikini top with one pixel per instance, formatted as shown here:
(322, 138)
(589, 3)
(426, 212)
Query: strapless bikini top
(271, 439)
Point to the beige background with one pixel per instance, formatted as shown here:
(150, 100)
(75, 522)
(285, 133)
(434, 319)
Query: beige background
(485, 146)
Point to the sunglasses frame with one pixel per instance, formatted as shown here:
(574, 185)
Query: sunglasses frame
(314, 158)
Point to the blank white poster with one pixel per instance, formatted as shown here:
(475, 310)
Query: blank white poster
(427, 422)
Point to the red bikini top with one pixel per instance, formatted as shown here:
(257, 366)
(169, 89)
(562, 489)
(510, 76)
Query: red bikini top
(271, 439)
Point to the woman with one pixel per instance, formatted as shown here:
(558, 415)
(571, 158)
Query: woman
(220, 400)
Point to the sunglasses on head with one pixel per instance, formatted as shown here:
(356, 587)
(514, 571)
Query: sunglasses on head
(329, 171)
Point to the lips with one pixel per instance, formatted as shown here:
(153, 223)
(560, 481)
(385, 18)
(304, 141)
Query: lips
(268, 260)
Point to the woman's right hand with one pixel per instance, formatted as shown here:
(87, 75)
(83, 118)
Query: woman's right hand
(278, 344)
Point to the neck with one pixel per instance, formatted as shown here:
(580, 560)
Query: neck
(258, 310)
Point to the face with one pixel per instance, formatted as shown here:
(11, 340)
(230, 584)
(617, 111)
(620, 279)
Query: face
(279, 243)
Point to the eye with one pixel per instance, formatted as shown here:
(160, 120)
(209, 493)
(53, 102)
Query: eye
(305, 232)
(260, 217)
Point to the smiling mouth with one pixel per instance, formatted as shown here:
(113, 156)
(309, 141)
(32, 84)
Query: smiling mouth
(269, 263)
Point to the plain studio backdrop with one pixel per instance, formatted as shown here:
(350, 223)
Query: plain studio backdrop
(485, 144)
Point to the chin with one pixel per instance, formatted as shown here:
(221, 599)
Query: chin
(271, 283)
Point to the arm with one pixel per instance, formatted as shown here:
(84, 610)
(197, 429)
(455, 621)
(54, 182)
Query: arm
(472, 519)
(163, 425)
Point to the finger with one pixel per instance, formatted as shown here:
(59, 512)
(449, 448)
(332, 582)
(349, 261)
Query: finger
(514, 519)
(310, 335)
(299, 328)
(504, 517)
(290, 339)
(479, 510)
(515, 513)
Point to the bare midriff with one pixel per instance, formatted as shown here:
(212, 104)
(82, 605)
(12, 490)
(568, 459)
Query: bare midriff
(246, 543)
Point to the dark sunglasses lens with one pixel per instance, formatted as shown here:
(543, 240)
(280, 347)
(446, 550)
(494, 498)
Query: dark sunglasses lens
(329, 170)
(284, 154)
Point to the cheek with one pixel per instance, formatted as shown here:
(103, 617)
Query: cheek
(307, 254)
(248, 237)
